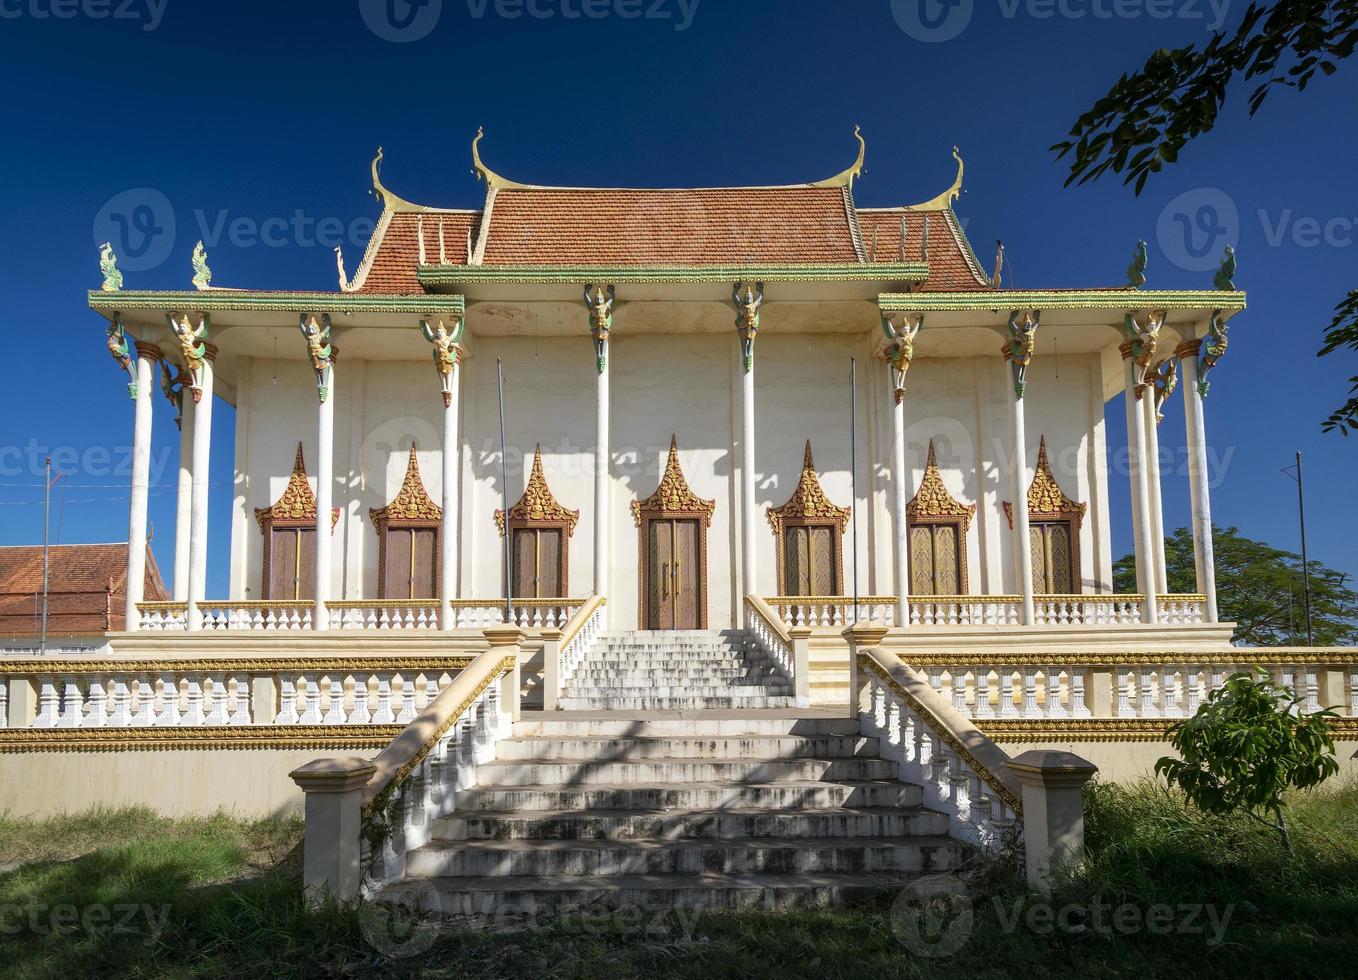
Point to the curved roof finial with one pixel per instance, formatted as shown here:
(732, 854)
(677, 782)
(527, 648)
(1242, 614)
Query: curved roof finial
(482, 172)
(944, 200)
(389, 200)
(846, 178)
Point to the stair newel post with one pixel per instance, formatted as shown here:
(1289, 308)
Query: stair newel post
(551, 669)
(508, 640)
(861, 637)
(332, 841)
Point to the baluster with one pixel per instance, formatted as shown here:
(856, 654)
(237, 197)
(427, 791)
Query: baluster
(309, 700)
(287, 701)
(73, 705)
(49, 704)
(1076, 678)
(215, 702)
(431, 688)
(893, 729)
(1126, 693)
(169, 715)
(1147, 690)
(1007, 707)
(96, 705)
(334, 715)
(407, 713)
(958, 678)
(193, 700)
(144, 707)
(936, 680)
(1194, 685)
(1054, 707)
(1353, 692)
(383, 715)
(1169, 702)
(241, 714)
(983, 708)
(1030, 692)
(121, 716)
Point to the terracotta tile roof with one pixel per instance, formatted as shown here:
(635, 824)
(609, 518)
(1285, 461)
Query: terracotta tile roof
(719, 226)
(85, 588)
(395, 255)
(952, 264)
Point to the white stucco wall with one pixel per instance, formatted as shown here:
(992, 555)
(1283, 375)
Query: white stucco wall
(689, 385)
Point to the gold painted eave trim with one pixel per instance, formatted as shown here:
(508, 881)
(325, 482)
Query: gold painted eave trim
(199, 738)
(1004, 300)
(210, 301)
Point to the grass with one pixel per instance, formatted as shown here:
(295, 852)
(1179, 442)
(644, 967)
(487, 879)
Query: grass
(219, 897)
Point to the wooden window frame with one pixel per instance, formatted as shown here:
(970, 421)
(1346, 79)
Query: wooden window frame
(934, 505)
(808, 507)
(411, 509)
(538, 509)
(1048, 504)
(295, 508)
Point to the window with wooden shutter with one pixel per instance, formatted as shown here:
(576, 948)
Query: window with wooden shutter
(288, 528)
(938, 524)
(808, 532)
(408, 540)
(539, 531)
(1054, 522)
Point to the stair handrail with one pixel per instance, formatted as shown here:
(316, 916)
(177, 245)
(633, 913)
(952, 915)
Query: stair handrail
(789, 646)
(969, 760)
(363, 817)
(580, 618)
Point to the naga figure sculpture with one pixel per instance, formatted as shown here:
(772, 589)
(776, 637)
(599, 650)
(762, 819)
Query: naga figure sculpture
(1164, 378)
(1213, 350)
(446, 352)
(900, 348)
(318, 349)
(202, 275)
(1225, 277)
(747, 316)
(108, 265)
(1136, 272)
(600, 305)
(1021, 346)
(120, 351)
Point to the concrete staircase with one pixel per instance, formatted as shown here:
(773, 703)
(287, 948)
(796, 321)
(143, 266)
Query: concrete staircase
(723, 810)
(675, 670)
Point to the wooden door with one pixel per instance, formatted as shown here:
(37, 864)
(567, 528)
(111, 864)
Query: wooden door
(1053, 559)
(549, 563)
(397, 569)
(660, 575)
(687, 575)
(810, 565)
(292, 564)
(423, 563)
(537, 565)
(797, 561)
(935, 560)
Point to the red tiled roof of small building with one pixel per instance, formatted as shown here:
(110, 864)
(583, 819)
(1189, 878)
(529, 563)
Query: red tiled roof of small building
(85, 588)
(952, 264)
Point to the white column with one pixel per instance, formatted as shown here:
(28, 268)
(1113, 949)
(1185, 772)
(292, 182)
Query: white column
(202, 444)
(325, 487)
(898, 501)
(1023, 547)
(1156, 504)
(147, 357)
(602, 511)
(448, 526)
(183, 513)
(1137, 470)
(1198, 489)
(747, 503)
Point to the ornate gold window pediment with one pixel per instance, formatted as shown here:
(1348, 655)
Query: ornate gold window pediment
(673, 497)
(1046, 500)
(808, 535)
(288, 528)
(1054, 522)
(408, 530)
(938, 524)
(539, 530)
(296, 506)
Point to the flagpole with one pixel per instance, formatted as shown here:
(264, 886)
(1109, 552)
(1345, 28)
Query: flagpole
(853, 474)
(504, 488)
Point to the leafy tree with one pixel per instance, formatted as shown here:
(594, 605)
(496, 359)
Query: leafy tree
(1246, 747)
(1259, 588)
(1148, 116)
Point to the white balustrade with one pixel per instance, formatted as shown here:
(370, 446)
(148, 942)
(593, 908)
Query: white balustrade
(773, 640)
(834, 611)
(575, 647)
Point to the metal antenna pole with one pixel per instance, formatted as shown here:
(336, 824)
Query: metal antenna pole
(504, 488)
(853, 474)
(1305, 565)
(46, 514)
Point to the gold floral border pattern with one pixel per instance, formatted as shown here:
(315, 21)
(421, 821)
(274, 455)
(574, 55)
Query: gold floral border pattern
(197, 737)
(538, 505)
(808, 500)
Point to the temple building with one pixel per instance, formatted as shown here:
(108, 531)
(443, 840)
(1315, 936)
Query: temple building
(706, 547)
(678, 410)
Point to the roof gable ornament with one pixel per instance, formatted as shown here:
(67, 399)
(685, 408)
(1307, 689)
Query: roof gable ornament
(945, 200)
(390, 201)
(493, 180)
(808, 500)
(296, 507)
(537, 505)
(846, 178)
(933, 503)
(412, 503)
(674, 496)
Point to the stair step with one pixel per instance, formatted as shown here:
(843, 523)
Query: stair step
(679, 771)
(710, 747)
(724, 824)
(557, 858)
(692, 796)
(710, 891)
(675, 691)
(614, 725)
(673, 703)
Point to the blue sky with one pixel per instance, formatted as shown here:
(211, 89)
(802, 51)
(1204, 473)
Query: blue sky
(246, 115)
